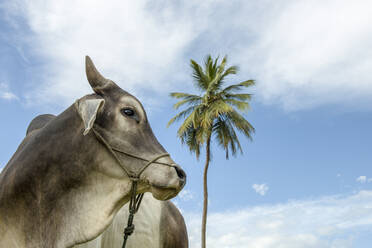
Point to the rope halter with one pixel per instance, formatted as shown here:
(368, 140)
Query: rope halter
(135, 200)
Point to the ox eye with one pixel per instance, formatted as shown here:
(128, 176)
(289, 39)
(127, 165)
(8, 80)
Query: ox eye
(128, 112)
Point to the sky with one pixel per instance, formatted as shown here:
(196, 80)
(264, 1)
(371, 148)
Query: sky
(305, 181)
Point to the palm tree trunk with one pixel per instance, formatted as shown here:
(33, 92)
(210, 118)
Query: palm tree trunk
(205, 205)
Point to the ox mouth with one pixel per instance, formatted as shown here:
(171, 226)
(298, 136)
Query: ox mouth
(163, 193)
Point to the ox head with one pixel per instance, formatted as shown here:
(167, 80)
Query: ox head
(120, 119)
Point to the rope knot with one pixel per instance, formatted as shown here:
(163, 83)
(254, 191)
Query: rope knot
(134, 178)
(129, 230)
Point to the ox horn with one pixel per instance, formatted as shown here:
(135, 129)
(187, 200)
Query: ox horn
(95, 79)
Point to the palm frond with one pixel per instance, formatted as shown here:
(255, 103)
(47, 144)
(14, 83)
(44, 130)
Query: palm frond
(241, 97)
(189, 137)
(200, 78)
(217, 108)
(181, 95)
(239, 86)
(191, 100)
(180, 115)
(241, 105)
(215, 65)
(234, 141)
(241, 124)
(219, 75)
(192, 121)
(221, 68)
(226, 136)
(208, 67)
(232, 70)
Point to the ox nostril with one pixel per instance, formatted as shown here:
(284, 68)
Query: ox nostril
(180, 173)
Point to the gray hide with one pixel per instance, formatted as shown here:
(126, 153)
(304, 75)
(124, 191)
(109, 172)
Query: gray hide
(63, 187)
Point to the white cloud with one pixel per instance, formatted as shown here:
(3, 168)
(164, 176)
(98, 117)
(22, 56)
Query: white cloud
(334, 221)
(185, 195)
(260, 188)
(362, 179)
(137, 45)
(302, 53)
(5, 93)
(317, 52)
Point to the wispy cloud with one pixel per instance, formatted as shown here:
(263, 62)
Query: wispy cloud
(185, 195)
(260, 188)
(137, 45)
(5, 92)
(302, 54)
(328, 222)
(314, 53)
(361, 179)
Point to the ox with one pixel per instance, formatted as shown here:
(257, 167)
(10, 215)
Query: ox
(159, 224)
(72, 173)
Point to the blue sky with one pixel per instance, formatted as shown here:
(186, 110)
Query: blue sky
(304, 181)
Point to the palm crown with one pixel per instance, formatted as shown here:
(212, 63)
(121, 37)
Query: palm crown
(217, 111)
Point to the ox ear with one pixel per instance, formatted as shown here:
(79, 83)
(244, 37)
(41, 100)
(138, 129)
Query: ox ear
(88, 109)
(95, 79)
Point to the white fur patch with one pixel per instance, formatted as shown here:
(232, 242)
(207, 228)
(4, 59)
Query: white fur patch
(147, 224)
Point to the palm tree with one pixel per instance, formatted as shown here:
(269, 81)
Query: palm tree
(215, 113)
